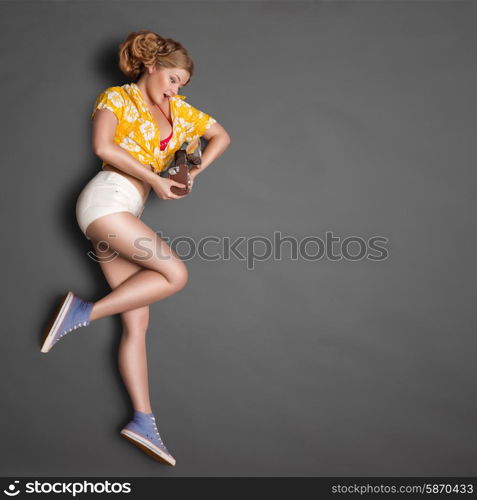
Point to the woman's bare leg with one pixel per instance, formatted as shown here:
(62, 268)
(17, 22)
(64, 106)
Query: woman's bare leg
(163, 273)
(132, 358)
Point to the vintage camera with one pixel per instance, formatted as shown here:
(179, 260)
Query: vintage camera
(188, 156)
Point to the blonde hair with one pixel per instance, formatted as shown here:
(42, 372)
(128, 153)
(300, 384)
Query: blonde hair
(143, 48)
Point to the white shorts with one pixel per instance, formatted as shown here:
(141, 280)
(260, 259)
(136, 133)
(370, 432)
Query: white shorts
(106, 193)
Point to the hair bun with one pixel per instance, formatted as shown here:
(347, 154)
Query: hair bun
(165, 46)
(145, 48)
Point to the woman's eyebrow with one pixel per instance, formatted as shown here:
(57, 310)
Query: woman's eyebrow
(178, 77)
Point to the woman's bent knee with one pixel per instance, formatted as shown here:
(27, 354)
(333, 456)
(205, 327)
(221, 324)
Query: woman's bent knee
(179, 277)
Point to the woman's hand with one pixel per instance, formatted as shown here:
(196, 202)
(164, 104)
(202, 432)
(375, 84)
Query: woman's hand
(162, 187)
(190, 181)
(192, 175)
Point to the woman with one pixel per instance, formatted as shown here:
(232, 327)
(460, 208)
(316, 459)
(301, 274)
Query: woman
(129, 122)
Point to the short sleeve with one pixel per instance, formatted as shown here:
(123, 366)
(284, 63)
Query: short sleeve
(200, 121)
(110, 99)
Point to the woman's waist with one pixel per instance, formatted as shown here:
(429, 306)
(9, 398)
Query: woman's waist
(142, 186)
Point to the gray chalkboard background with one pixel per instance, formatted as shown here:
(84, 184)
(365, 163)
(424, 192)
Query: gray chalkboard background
(355, 119)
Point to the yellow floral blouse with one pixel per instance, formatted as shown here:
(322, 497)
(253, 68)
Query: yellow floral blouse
(137, 131)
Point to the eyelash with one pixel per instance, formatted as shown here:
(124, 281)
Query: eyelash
(173, 81)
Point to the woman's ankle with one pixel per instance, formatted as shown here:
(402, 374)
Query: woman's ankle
(94, 313)
(147, 410)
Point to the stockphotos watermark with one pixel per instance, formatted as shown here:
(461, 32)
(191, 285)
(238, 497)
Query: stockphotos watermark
(66, 487)
(253, 248)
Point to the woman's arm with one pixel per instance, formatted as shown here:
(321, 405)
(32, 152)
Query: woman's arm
(104, 127)
(219, 141)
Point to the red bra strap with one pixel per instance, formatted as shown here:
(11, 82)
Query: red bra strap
(164, 115)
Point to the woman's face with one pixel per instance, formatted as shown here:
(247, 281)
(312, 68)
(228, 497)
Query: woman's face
(163, 83)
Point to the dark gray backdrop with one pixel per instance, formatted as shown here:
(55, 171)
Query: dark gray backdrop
(356, 118)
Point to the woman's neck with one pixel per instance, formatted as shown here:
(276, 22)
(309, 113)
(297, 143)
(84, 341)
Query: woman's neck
(143, 90)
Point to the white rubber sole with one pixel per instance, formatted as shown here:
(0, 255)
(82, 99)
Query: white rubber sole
(148, 447)
(58, 319)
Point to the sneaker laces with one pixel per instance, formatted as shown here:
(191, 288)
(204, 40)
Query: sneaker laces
(156, 431)
(74, 327)
(83, 307)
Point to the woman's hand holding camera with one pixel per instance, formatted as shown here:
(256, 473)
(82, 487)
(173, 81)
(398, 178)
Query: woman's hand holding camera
(190, 181)
(162, 187)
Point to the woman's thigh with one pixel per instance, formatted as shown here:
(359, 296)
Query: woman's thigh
(116, 270)
(137, 243)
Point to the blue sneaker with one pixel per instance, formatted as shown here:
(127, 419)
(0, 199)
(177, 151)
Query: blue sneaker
(72, 313)
(142, 431)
